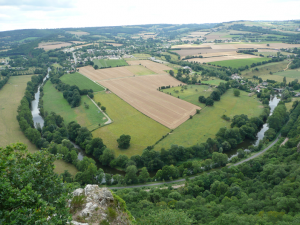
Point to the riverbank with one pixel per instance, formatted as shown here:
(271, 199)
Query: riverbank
(179, 181)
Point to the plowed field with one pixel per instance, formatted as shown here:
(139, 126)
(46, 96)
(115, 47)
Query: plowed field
(156, 67)
(141, 92)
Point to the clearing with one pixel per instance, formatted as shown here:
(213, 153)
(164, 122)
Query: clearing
(53, 45)
(89, 118)
(127, 120)
(110, 62)
(81, 81)
(208, 122)
(10, 132)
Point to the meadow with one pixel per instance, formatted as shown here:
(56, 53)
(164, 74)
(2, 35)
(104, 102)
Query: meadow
(81, 81)
(143, 130)
(191, 94)
(236, 63)
(276, 78)
(293, 74)
(109, 62)
(208, 122)
(10, 132)
(54, 101)
(212, 82)
(265, 69)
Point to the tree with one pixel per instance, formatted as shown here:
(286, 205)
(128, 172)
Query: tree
(107, 156)
(96, 67)
(144, 175)
(124, 141)
(219, 158)
(30, 191)
(202, 99)
(131, 176)
(171, 72)
(166, 217)
(209, 102)
(103, 108)
(236, 92)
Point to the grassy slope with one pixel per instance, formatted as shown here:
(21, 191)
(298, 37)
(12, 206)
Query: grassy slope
(236, 63)
(127, 120)
(10, 132)
(265, 69)
(81, 81)
(54, 101)
(293, 74)
(110, 62)
(208, 122)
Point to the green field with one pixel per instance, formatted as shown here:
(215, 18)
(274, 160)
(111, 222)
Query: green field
(294, 74)
(109, 62)
(190, 94)
(127, 120)
(236, 63)
(56, 65)
(10, 132)
(265, 69)
(213, 82)
(81, 81)
(141, 56)
(290, 104)
(54, 101)
(276, 78)
(209, 121)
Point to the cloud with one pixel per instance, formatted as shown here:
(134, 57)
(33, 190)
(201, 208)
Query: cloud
(23, 14)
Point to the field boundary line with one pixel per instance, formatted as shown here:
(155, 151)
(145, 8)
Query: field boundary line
(93, 81)
(109, 120)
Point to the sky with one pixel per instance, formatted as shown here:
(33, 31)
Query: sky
(26, 14)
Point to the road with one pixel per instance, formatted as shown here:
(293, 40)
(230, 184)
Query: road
(183, 179)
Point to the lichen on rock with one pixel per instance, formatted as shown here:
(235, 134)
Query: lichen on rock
(93, 205)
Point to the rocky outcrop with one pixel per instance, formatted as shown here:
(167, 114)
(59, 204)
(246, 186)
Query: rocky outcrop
(93, 204)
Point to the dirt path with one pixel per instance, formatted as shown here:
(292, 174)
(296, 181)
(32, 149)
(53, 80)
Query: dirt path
(287, 66)
(183, 179)
(108, 119)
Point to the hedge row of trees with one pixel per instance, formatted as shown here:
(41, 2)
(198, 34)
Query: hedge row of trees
(279, 117)
(71, 93)
(291, 128)
(215, 95)
(3, 81)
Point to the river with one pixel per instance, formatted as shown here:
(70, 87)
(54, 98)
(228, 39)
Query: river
(260, 135)
(39, 121)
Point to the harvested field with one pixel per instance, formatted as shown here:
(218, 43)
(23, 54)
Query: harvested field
(141, 92)
(139, 70)
(229, 57)
(78, 42)
(186, 52)
(105, 74)
(53, 45)
(114, 44)
(156, 67)
(215, 54)
(78, 33)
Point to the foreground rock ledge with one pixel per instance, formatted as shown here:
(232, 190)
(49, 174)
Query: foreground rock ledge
(93, 204)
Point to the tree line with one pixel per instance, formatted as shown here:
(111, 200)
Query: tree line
(3, 81)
